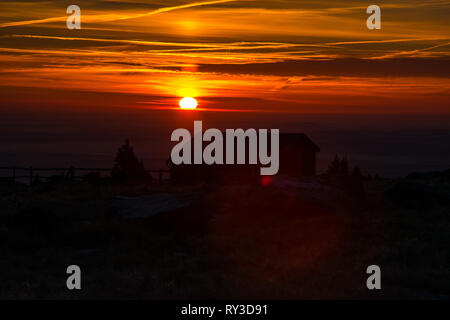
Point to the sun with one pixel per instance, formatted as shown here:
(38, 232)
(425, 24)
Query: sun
(188, 103)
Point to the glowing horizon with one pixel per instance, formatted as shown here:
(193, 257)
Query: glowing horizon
(243, 55)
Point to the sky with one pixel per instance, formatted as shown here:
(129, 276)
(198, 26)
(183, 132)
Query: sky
(248, 56)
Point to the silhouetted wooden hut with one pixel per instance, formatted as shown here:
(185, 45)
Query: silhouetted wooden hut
(297, 155)
(297, 159)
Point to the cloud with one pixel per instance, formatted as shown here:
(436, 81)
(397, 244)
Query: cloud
(407, 67)
(268, 54)
(114, 16)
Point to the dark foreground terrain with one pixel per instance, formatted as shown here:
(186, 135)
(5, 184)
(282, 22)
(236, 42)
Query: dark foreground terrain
(279, 241)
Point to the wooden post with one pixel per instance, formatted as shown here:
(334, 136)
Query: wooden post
(160, 176)
(14, 174)
(72, 173)
(31, 176)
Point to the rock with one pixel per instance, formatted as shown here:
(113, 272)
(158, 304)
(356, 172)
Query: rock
(146, 206)
(405, 191)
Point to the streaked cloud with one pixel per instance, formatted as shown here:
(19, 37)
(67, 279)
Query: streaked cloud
(265, 55)
(109, 17)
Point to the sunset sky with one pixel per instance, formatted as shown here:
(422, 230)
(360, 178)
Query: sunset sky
(251, 56)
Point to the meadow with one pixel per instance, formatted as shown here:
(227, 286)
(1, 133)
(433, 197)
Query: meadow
(232, 241)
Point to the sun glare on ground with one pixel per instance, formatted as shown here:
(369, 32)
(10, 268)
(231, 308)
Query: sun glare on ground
(188, 103)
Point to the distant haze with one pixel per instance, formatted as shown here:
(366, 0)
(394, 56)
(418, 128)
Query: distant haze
(386, 145)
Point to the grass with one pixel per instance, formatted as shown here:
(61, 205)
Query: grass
(232, 242)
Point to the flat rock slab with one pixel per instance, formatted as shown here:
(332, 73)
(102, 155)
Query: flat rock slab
(147, 206)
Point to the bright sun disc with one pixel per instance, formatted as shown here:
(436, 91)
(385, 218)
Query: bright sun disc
(188, 103)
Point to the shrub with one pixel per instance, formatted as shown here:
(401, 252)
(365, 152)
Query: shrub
(127, 167)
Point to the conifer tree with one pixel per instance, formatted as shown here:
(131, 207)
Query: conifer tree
(127, 167)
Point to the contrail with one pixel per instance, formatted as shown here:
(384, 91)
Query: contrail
(188, 5)
(114, 17)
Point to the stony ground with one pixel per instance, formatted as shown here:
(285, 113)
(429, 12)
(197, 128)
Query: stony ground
(237, 241)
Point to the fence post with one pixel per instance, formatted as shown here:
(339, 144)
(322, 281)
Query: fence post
(160, 176)
(71, 173)
(31, 176)
(14, 174)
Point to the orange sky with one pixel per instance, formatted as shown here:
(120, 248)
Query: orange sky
(262, 56)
